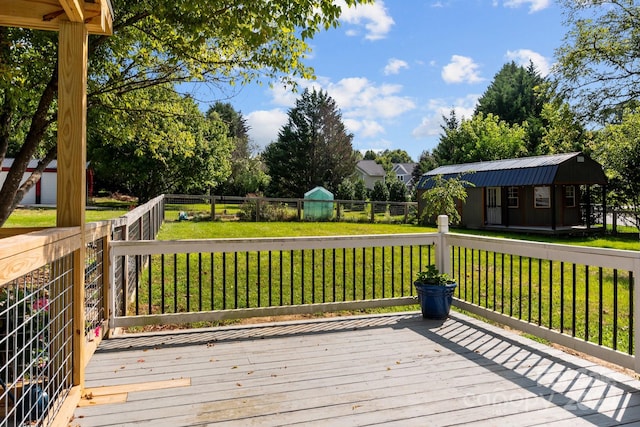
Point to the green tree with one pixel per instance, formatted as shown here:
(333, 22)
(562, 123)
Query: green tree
(618, 150)
(138, 161)
(597, 62)
(442, 199)
(426, 162)
(370, 155)
(155, 42)
(446, 150)
(313, 148)
(397, 191)
(396, 156)
(380, 192)
(484, 138)
(517, 95)
(360, 190)
(248, 173)
(564, 131)
(346, 190)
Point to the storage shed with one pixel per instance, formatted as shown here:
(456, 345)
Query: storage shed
(531, 193)
(318, 204)
(44, 192)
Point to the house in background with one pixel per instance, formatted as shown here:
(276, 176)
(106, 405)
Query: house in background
(404, 172)
(44, 192)
(370, 172)
(541, 193)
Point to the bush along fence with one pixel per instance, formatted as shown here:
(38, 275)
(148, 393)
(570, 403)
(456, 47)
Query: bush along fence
(232, 208)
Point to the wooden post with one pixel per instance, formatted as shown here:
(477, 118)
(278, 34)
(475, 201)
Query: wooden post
(213, 207)
(71, 181)
(443, 261)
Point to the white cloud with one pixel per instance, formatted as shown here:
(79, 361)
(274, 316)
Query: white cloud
(535, 5)
(359, 97)
(523, 56)
(365, 107)
(394, 66)
(264, 125)
(364, 128)
(373, 17)
(461, 69)
(437, 108)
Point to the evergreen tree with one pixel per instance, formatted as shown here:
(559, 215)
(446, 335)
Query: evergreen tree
(313, 148)
(517, 95)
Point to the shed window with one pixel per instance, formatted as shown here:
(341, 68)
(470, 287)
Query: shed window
(570, 196)
(542, 197)
(513, 200)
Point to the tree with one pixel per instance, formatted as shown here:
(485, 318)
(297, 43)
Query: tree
(140, 162)
(482, 138)
(397, 191)
(597, 63)
(618, 150)
(396, 156)
(248, 173)
(426, 162)
(156, 42)
(564, 132)
(380, 192)
(346, 190)
(360, 190)
(517, 95)
(370, 155)
(442, 198)
(313, 148)
(446, 150)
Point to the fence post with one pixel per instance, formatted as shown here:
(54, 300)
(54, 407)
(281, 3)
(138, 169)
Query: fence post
(443, 262)
(213, 208)
(373, 211)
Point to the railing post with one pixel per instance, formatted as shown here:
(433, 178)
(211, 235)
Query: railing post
(443, 262)
(636, 314)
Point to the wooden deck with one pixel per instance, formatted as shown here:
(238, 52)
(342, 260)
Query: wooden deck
(397, 370)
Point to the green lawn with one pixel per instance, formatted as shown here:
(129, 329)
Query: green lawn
(40, 217)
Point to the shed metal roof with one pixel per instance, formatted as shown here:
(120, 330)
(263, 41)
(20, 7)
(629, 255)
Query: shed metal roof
(537, 170)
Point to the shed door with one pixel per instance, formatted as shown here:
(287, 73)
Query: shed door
(494, 206)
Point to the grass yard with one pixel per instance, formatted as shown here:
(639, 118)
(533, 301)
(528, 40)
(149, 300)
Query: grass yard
(40, 217)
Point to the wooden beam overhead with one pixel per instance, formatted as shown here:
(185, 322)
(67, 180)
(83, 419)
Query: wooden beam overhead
(48, 14)
(74, 9)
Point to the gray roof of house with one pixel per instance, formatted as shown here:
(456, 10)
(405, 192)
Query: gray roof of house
(537, 170)
(404, 168)
(371, 168)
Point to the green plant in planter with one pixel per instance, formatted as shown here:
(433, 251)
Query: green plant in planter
(430, 275)
(435, 292)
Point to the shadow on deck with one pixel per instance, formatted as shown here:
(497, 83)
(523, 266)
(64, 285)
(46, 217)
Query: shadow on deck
(395, 369)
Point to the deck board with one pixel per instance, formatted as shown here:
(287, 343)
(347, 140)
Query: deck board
(370, 370)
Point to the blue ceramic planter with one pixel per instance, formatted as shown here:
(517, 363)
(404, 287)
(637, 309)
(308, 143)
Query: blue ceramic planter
(435, 300)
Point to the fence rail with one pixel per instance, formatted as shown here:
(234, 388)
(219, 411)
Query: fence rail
(212, 280)
(41, 359)
(288, 209)
(580, 297)
(37, 312)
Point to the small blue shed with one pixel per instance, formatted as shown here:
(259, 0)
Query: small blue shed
(318, 210)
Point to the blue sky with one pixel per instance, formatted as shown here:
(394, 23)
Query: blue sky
(395, 67)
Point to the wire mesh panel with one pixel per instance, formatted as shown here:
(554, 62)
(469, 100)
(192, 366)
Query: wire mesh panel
(93, 289)
(36, 344)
